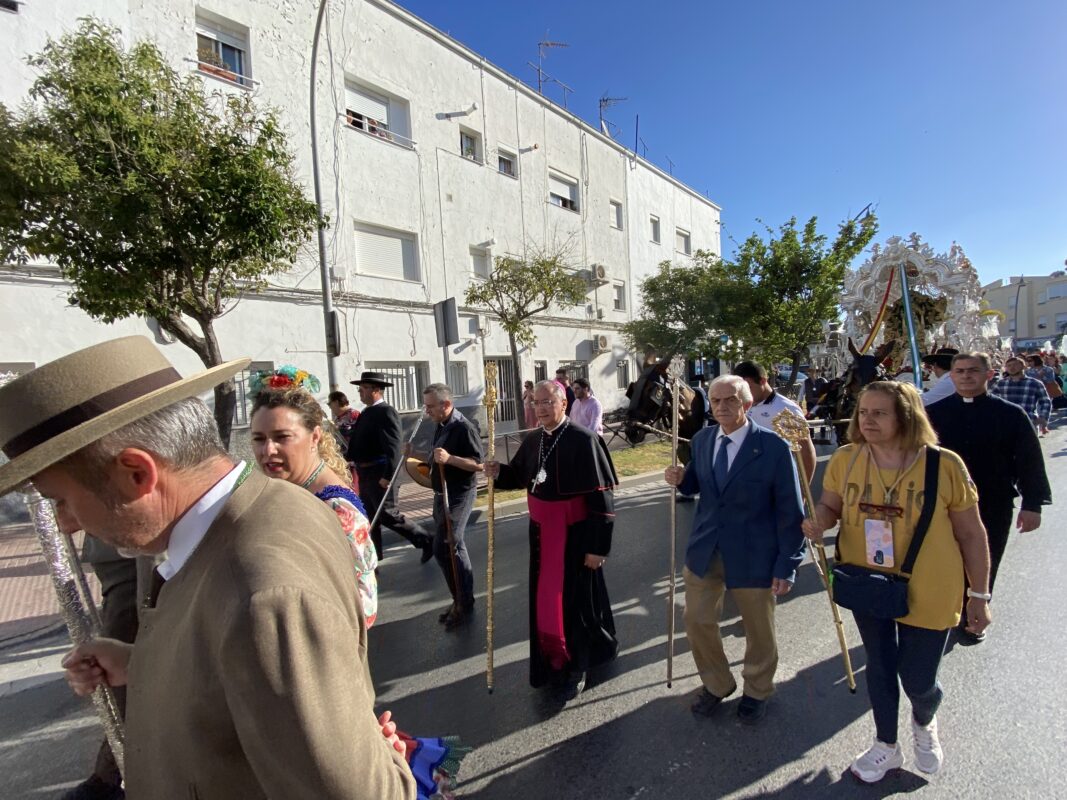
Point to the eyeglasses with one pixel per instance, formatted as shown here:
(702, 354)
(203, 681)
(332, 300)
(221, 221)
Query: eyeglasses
(545, 403)
(888, 511)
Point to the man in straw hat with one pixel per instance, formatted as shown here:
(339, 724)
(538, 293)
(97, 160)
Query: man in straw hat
(249, 676)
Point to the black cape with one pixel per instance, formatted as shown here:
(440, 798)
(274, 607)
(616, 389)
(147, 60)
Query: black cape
(578, 465)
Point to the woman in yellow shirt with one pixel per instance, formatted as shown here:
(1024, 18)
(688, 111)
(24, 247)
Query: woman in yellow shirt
(874, 487)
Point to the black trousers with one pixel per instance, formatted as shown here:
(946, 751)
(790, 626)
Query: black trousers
(996, 516)
(373, 495)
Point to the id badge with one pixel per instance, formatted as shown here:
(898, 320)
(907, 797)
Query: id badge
(879, 535)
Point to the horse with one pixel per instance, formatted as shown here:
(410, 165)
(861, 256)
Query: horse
(651, 400)
(838, 399)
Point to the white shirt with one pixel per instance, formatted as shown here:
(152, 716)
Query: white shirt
(737, 438)
(940, 390)
(764, 413)
(190, 530)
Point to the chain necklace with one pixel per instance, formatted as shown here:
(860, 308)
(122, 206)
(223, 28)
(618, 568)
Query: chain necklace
(315, 474)
(542, 456)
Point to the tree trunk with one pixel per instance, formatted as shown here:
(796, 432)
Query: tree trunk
(207, 349)
(520, 411)
(795, 369)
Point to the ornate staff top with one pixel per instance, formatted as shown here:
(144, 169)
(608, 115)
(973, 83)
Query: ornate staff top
(791, 428)
(489, 400)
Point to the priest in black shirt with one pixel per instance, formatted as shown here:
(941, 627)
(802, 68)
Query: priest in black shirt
(569, 481)
(1001, 450)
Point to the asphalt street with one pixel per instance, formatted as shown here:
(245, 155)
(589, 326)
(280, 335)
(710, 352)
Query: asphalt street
(629, 735)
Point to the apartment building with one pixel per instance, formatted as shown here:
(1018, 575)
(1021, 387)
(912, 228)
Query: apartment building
(1034, 307)
(433, 162)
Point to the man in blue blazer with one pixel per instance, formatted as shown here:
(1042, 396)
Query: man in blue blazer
(746, 538)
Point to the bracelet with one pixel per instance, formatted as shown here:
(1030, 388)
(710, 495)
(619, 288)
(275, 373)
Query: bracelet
(987, 596)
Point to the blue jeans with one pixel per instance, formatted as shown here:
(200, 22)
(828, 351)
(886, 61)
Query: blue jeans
(460, 505)
(901, 655)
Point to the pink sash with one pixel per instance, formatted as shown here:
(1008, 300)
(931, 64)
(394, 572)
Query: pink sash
(554, 517)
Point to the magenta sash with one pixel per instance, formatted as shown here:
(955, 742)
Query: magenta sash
(554, 517)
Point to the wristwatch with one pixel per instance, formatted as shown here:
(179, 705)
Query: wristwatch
(987, 596)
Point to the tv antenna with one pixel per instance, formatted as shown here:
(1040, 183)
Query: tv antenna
(545, 44)
(606, 102)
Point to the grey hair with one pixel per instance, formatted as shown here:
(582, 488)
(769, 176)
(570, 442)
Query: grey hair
(553, 387)
(440, 391)
(182, 435)
(741, 387)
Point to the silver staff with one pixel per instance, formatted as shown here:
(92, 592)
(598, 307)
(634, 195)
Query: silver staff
(79, 612)
(674, 534)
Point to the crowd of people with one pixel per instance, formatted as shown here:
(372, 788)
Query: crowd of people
(246, 610)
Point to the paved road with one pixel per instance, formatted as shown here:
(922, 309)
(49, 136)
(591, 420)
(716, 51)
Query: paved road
(629, 735)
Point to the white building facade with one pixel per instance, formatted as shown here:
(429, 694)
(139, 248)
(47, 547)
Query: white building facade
(433, 162)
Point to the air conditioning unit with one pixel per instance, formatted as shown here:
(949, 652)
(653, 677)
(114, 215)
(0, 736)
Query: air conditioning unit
(483, 324)
(599, 272)
(601, 344)
(600, 313)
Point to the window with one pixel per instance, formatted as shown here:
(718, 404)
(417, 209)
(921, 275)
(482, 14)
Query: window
(409, 378)
(389, 254)
(620, 296)
(615, 214)
(540, 371)
(505, 163)
(622, 374)
(480, 262)
(1061, 321)
(1011, 326)
(242, 410)
(681, 242)
(1056, 290)
(563, 191)
(470, 145)
(457, 377)
(222, 50)
(653, 223)
(1042, 322)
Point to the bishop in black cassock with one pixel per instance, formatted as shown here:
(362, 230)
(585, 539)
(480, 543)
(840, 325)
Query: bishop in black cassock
(569, 479)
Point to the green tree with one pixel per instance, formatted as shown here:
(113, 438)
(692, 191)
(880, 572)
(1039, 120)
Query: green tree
(154, 198)
(519, 289)
(768, 303)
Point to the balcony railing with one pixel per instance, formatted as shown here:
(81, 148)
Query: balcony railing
(375, 132)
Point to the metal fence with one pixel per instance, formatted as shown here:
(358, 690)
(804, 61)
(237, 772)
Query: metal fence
(408, 379)
(507, 389)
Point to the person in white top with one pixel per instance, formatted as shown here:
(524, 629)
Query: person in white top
(586, 410)
(941, 365)
(767, 403)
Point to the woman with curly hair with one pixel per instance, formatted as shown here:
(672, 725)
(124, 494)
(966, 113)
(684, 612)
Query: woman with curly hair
(289, 442)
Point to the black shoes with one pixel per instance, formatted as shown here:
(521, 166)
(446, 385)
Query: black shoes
(427, 549)
(750, 710)
(571, 688)
(443, 616)
(706, 703)
(94, 788)
(458, 617)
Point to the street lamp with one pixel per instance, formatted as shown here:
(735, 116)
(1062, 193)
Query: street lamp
(1015, 313)
(328, 312)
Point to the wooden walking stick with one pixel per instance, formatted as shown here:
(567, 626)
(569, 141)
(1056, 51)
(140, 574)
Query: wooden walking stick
(489, 400)
(673, 542)
(448, 533)
(794, 430)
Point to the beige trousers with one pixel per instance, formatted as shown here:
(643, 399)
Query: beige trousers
(703, 610)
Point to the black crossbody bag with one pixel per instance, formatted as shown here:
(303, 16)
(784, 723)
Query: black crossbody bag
(879, 594)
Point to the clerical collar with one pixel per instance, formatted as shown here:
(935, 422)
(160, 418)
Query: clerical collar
(550, 431)
(968, 399)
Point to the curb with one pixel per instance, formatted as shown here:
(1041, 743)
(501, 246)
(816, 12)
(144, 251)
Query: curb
(13, 687)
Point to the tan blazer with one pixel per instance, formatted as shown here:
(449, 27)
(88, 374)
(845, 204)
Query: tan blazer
(249, 679)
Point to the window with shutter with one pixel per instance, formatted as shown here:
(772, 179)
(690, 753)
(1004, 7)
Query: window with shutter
(479, 262)
(386, 253)
(222, 50)
(366, 111)
(653, 222)
(615, 214)
(563, 192)
(682, 242)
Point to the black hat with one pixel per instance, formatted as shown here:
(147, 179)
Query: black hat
(942, 358)
(373, 378)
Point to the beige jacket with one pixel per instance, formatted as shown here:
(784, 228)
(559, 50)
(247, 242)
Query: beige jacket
(249, 679)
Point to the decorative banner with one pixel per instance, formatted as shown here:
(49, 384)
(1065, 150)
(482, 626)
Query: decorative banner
(880, 317)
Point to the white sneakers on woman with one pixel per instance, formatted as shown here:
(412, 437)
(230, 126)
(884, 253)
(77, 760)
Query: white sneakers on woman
(928, 754)
(871, 766)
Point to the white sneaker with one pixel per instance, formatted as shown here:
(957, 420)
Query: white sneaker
(928, 754)
(871, 767)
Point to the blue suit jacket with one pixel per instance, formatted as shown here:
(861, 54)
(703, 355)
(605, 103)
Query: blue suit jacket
(754, 520)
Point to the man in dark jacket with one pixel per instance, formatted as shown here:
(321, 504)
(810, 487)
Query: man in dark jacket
(374, 448)
(1001, 450)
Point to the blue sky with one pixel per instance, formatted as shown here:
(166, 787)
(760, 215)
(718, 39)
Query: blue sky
(949, 115)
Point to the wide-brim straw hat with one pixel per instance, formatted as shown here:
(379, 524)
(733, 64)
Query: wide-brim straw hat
(418, 471)
(57, 409)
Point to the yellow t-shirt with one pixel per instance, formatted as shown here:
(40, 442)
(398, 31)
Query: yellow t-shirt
(935, 591)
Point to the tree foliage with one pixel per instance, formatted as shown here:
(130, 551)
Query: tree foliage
(154, 198)
(519, 289)
(768, 303)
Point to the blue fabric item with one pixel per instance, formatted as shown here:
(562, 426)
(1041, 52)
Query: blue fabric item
(754, 519)
(721, 467)
(331, 492)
